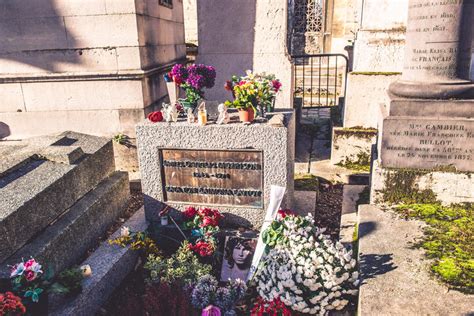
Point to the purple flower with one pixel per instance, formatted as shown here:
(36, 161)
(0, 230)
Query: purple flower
(179, 73)
(201, 76)
(211, 311)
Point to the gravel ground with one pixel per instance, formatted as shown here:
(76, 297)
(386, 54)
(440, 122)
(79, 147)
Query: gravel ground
(329, 207)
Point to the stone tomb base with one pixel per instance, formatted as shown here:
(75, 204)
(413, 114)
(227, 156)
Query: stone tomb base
(427, 152)
(227, 167)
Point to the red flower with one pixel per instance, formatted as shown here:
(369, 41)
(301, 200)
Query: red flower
(228, 85)
(284, 213)
(276, 85)
(10, 304)
(189, 213)
(209, 221)
(156, 116)
(204, 249)
(275, 307)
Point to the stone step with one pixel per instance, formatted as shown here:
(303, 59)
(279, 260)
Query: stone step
(110, 264)
(34, 195)
(67, 240)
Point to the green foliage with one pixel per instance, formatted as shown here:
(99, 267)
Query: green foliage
(182, 267)
(401, 188)
(361, 163)
(449, 240)
(68, 282)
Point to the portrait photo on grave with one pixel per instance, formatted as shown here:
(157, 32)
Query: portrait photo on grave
(237, 257)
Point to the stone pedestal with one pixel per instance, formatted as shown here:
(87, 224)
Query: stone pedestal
(228, 167)
(426, 148)
(438, 51)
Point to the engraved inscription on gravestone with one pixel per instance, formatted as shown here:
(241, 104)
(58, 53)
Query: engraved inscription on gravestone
(433, 50)
(213, 177)
(428, 143)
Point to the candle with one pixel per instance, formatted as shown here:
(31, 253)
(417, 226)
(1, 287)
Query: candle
(202, 117)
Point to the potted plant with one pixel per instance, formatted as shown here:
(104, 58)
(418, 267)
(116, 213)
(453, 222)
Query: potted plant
(192, 79)
(253, 94)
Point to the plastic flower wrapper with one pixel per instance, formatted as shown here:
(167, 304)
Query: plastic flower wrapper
(305, 269)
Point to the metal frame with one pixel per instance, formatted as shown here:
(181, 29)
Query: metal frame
(321, 69)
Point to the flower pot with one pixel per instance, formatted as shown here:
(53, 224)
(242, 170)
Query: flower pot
(246, 115)
(188, 105)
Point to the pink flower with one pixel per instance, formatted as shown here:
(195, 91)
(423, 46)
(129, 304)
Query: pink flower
(30, 275)
(276, 85)
(211, 311)
(29, 264)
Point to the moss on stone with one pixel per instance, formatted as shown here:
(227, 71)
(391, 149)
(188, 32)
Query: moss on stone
(357, 132)
(400, 187)
(375, 73)
(360, 163)
(306, 182)
(448, 240)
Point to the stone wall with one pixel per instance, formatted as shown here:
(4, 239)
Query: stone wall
(345, 23)
(93, 66)
(190, 21)
(238, 35)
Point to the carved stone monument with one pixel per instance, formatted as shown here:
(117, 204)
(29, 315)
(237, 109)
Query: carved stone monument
(230, 167)
(428, 133)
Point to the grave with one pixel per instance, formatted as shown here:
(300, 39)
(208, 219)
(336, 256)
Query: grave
(228, 167)
(59, 194)
(426, 147)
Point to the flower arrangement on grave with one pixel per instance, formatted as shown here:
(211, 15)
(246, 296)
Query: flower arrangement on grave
(275, 307)
(192, 79)
(204, 224)
(252, 94)
(135, 240)
(26, 279)
(304, 268)
(156, 116)
(182, 267)
(11, 305)
(208, 296)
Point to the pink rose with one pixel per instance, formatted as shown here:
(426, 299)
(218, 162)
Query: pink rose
(30, 275)
(29, 264)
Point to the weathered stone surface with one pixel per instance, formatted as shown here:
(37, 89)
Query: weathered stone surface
(352, 145)
(395, 275)
(432, 108)
(34, 195)
(110, 265)
(68, 239)
(438, 51)
(428, 143)
(448, 187)
(362, 105)
(62, 154)
(277, 144)
(262, 32)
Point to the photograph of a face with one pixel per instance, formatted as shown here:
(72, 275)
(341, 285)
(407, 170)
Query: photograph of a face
(238, 254)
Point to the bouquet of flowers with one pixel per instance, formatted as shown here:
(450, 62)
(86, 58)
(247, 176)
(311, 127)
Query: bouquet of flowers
(26, 278)
(193, 79)
(207, 293)
(255, 91)
(305, 269)
(275, 307)
(204, 224)
(10, 304)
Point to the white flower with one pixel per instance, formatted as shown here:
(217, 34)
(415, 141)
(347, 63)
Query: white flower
(124, 231)
(86, 270)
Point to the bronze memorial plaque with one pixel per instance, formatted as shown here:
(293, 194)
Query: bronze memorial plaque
(215, 177)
